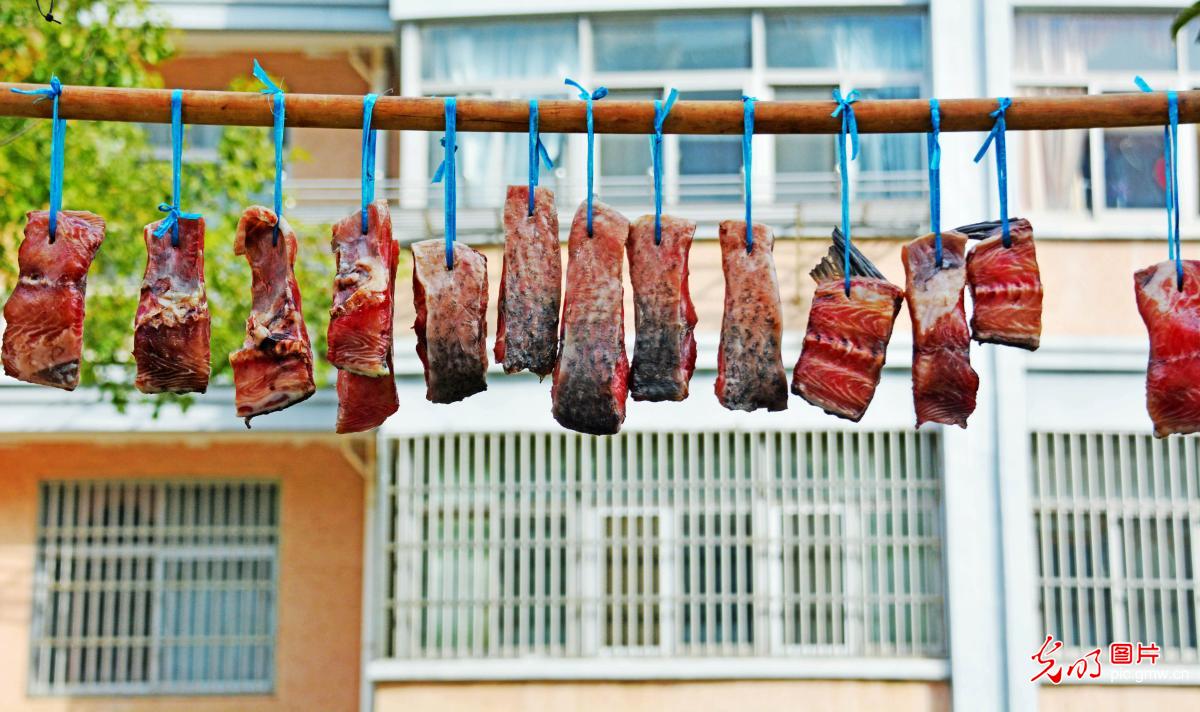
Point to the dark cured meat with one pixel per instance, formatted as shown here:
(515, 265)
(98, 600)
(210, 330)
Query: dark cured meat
(1006, 288)
(172, 327)
(591, 376)
(451, 320)
(944, 384)
(750, 371)
(43, 333)
(664, 354)
(274, 367)
(530, 284)
(1172, 319)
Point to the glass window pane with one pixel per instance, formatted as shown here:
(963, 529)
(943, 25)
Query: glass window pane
(624, 159)
(637, 43)
(884, 157)
(846, 41)
(1134, 175)
(1056, 166)
(474, 52)
(805, 164)
(710, 167)
(1065, 43)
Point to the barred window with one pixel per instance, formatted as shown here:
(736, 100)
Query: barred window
(559, 545)
(155, 588)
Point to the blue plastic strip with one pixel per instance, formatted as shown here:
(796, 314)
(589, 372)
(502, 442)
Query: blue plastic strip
(369, 142)
(58, 137)
(661, 110)
(171, 221)
(1171, 176)
(591, 142)
(537, 152)
(446, 172)
(934, 149)
(278, 112)
(849, 128)
(748, 164)
(997, 134)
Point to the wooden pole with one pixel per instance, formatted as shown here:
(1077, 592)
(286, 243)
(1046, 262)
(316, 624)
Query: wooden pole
(343, 111)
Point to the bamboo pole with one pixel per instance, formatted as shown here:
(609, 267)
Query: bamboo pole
(344, 111)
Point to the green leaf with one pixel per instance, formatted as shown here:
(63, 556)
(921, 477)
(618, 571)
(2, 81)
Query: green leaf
(1184, 18)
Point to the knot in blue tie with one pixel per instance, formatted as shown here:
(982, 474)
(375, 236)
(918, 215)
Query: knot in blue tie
(171, 221)
(849, 122)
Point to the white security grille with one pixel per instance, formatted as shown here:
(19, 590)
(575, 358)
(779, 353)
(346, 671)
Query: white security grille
(1117, 518)
(155, 587)
(663, 544)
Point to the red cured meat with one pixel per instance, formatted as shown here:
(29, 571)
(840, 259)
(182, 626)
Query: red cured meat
(172, 326)
(43, 333)
(451, 323)
(664, 354)
(1006, 288)
(274, 367)
(591, 376)
(360, 320)
(364, 402)
(1172, 318)
(530, 284)
(750, 371)
(944, 384)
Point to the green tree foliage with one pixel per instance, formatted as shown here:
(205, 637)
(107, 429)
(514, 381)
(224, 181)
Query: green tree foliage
(112, 170)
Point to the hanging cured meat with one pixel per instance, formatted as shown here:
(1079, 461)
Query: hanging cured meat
(1006, 288)
(664, 354)
(360, 324)
(274, 367)
(591, 376)
(1172, 317)
(944, 384)
(750, 371)
(451, 320)
(43, 332)
(172, 326)
(846, 342)
(530, 284)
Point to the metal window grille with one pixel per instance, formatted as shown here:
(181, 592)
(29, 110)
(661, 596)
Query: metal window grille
(155, 587)
(672, 544)
(1117, 521)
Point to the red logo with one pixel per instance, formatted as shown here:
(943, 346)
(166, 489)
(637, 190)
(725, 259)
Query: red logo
(1119, 653)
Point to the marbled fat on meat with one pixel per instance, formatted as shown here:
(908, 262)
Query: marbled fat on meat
(530, 284)
(1006, 289)
(664, 354)
(451, 324)
(43, 332)
(1172, 318)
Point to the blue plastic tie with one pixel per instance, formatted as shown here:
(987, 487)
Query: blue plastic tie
(447, 173)
(171, 221)
(278, 112)
(661, 110)
(369, 142)
(537, 152)
(1171, 173)
(58, 136)
(589, 97)
(934, 149)
(748, 163)
(997, 133)
(849, 128)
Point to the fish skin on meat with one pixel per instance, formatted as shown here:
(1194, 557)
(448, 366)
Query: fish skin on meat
(1172, 318)
(451, 322)
(43, 332)
(274, 367)
(664, 354)
(944, 384)
(530, 284)
(172, 327)
(591, 378)
(1006, 288)
(750, 372)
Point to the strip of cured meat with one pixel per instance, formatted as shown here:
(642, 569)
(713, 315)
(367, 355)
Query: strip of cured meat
(530, 284)
(1172, 318)
(944, 384)
(274, 367)
(591, 378)
(664, 353)
(172, 327)
(451, 323)
(750, 371)
(43, 332)
(846, 342)
(1006, 288)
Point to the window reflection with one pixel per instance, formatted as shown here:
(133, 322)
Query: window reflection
(846, 41)
(634, 43)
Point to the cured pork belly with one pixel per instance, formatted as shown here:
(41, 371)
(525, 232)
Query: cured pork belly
(846, 342)
(664, 353)
(750, 371)
(1006, 288)
(451, 320)
(274, 367)
(944, 384)
(1172, 318)
(172, 327)
(530, 284)
(591, 376)
(43, 332)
